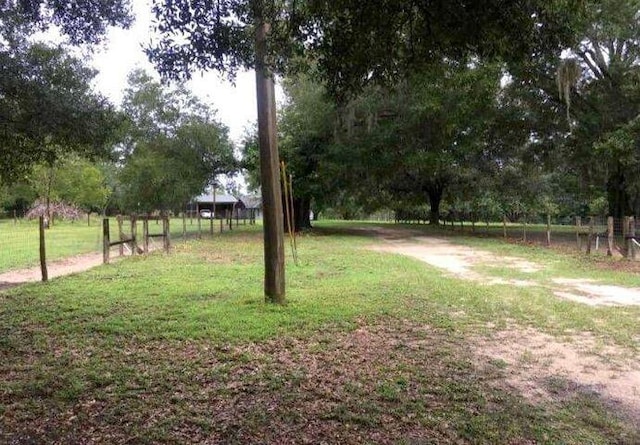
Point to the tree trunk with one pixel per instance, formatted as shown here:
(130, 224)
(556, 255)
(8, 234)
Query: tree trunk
(617, 197)
(302, 207)
(274, 275)
(301, 214)
(435, 196)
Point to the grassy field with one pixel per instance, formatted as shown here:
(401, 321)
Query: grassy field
(371, 348)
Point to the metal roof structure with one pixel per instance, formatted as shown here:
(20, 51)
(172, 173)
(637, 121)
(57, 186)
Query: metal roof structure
(252, 201)
(221, 198)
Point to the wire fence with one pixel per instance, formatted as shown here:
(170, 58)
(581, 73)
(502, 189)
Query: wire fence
(593, 235)
(64, 241)
(83, 239)
(20, 241)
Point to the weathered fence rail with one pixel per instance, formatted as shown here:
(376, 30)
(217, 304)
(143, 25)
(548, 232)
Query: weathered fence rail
(131, 241)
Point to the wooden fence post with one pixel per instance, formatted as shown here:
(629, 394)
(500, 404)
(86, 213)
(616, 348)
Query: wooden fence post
(578, 230)
(134, 234)
(524, 228)
(632, 234)
(548, 229)
(590, 237)
(610, 236)
(106, 241)
(199, 225)
(166, 233)
(145, 234)
(625, 236)
(43, 252)
(211, 223)
(504, 226)
(119, 218)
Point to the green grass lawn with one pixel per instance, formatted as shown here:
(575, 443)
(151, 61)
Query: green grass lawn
(371, 348)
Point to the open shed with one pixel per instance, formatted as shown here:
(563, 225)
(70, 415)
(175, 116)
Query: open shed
(222, 204)
(252, 206)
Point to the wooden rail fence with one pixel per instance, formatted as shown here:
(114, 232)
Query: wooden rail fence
(129, 240)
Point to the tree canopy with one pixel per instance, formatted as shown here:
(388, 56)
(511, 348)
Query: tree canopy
(46, 103)
(351, 43)
(174, 146)
(82, 21)
(47, 108)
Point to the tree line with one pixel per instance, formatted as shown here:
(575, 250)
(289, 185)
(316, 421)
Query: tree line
(477, 137)
(62, 141)
(455, 103)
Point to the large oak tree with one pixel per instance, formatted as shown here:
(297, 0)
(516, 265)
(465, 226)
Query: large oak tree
(46, 103)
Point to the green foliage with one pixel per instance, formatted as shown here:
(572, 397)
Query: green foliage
(83, 21)
(428, 133)
(350, 43)
(606, 103)
(46, 100)
(73, 180)
(175, 146)
(47, 109)
(18, 197)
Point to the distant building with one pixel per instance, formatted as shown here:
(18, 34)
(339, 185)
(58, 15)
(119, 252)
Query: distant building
(224, 205)
(253, 206)
(221, 204)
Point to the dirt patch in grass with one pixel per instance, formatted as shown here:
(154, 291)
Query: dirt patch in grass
(544, 369)
(593, 294)
(66, 266)
(455, 259)
(460, 262)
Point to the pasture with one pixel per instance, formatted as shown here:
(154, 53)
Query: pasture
(373, 347)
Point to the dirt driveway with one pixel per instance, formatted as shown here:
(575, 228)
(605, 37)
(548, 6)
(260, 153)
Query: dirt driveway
(460, 261)
(67, 266)
(539, 366)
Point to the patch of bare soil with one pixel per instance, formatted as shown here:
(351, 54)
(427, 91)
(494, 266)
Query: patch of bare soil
(457, 260)
(460, 260)
(544, 369)
(593, 294)
(67, 266)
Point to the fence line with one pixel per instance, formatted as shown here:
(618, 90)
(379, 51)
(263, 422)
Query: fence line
(592, 234)
(22, 249)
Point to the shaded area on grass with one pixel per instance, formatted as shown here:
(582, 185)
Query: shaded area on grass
(392, 381)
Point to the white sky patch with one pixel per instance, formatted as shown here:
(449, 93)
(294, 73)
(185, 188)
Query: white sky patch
(123, 52)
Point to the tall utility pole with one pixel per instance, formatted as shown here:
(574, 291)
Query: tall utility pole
(274, 286)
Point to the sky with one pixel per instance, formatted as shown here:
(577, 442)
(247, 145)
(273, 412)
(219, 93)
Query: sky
(122, 52)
